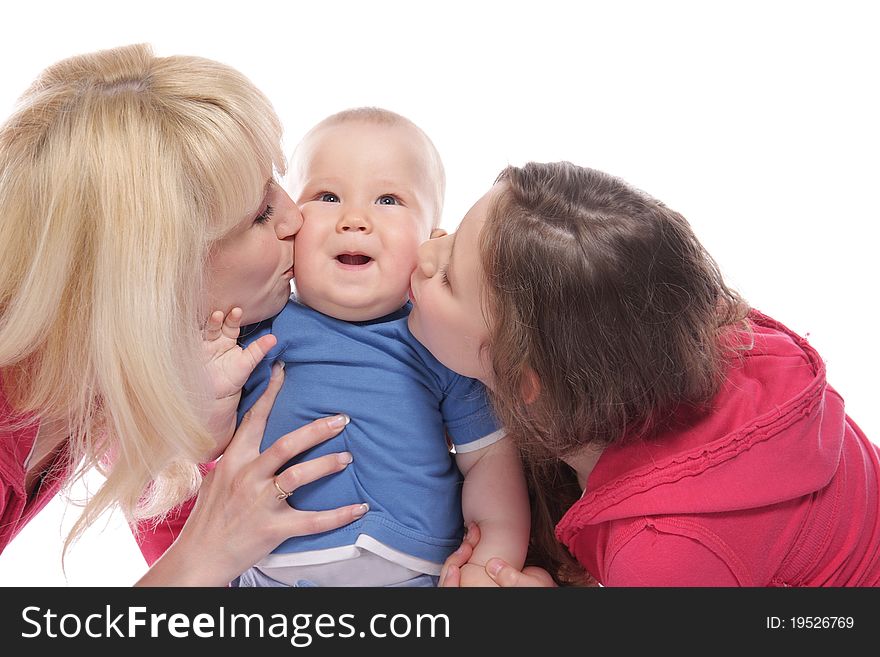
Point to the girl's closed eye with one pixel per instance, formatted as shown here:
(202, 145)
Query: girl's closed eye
(265, 215)
(444, 278)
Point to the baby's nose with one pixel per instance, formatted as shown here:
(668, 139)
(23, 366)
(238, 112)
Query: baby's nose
(353, 222)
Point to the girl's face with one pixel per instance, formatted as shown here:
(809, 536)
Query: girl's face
(446, 293)
(252, 266)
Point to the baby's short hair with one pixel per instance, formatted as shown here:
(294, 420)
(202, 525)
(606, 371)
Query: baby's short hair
(381, 116)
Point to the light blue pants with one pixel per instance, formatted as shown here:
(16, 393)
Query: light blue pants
(255, 578)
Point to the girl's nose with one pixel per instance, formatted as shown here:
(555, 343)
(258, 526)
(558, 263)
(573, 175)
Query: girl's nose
(427, 258)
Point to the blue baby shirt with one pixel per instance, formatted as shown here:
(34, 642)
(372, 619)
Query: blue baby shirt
(402, 403)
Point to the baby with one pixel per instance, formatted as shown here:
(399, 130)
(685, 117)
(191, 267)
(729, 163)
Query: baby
(370, 185)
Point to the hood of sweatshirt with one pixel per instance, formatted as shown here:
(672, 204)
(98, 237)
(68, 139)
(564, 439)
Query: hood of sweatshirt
(774, 432)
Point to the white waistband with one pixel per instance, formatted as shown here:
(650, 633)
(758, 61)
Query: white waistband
(366, 563)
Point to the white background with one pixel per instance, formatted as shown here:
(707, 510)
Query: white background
(757, 120)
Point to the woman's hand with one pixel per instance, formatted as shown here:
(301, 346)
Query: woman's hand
(238, 517)
(502, 573)
(228, 367)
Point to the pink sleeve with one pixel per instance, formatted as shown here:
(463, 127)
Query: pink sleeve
(651, 558)
(6, 527)
(155, 539)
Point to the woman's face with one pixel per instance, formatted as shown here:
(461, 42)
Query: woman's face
(446, 293)
(252, 266)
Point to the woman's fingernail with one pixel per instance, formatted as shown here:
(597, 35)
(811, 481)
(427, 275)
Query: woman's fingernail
(360, 510)
(277, 368)
(344, 457)
(494, 567)
(338, 421)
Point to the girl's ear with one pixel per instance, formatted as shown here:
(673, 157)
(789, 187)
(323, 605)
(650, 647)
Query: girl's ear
(438, 232)
(529, 386)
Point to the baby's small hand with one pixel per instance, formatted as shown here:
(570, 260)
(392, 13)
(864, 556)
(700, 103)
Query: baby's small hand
(475, 575)
(228, 365)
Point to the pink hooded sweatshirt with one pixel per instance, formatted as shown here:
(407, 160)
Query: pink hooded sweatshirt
(16, 507)
(775, 486)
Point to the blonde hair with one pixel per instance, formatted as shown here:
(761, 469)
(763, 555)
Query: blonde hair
(118, 170)
(384, 117)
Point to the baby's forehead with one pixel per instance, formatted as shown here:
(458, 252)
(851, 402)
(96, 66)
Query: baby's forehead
(357, 132)
(338, 136)
(400, 142)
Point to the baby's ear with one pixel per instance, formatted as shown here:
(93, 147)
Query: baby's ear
(438, 232)
(529, 386)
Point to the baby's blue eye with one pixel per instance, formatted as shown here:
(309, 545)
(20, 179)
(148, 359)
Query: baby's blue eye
(386, 199)
(329, 197)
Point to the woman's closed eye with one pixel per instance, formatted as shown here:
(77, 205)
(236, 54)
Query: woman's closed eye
(444, 278)
(265, 215)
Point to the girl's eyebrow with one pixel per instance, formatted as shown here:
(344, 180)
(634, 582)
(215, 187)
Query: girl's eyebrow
(451, 253)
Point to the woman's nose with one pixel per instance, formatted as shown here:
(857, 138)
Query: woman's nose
(291, 219)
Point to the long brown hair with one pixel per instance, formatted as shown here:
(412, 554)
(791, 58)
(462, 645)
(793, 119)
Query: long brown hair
(607, 298)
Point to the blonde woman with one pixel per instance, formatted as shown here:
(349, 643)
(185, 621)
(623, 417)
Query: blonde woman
(136, 197)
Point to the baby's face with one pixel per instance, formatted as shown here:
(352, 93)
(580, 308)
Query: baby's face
(367, 196)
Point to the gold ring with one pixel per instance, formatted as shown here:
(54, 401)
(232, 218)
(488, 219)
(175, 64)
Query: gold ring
(282, 494)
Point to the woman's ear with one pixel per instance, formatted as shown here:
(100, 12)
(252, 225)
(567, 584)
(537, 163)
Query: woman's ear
(529, 386)
(438, 232)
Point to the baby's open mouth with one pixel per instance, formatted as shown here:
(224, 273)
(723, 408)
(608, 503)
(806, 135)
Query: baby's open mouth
(353, 258)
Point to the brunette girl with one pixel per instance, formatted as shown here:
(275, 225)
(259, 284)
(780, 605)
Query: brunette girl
(671, 435)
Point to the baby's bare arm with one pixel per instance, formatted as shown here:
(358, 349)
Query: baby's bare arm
(494, 496)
